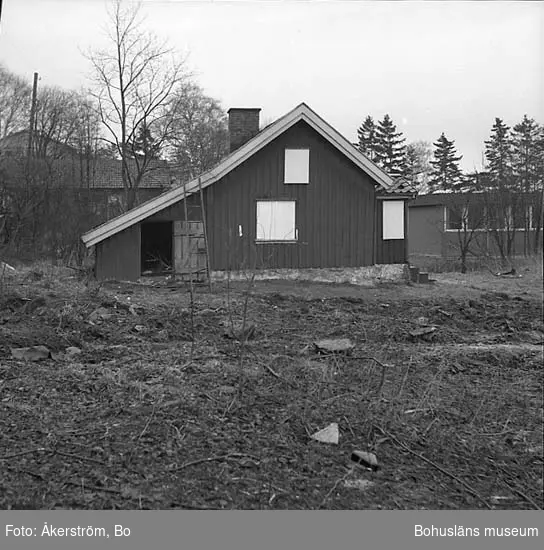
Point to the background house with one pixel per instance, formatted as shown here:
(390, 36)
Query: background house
(57, 192)
(295, 195)
(486, 224)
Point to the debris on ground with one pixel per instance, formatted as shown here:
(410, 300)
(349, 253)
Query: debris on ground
(425, 333)
(329, 434)
(240, 332)
(33, 353)
(98, 315)
(179, 416)
(368, 460)
(6, 267)
(360, 484)
(334, 345)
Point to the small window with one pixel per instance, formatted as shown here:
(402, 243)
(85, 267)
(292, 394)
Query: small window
(276, 221)
(455, 218)
(393, 220)
(297, 166)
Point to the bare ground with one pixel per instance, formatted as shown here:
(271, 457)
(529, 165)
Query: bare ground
(162, 410)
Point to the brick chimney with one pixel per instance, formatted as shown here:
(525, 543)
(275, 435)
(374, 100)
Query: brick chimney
(243, 125)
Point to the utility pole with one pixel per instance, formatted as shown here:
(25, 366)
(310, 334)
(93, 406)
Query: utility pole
(32, 114)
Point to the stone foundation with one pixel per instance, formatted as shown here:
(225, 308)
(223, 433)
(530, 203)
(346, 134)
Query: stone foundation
(363, 276)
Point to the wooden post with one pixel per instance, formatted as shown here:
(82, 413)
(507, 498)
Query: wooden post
(203, 209)
(32, 114)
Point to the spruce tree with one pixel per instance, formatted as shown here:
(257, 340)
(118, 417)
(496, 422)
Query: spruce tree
(498, 152)
(526, 153)
(446, 174)
(144, 144)
(368, 138)
(528, 169)
(390, 149)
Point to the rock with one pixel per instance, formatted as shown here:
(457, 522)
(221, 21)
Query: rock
(361, 484)
(99, 314)
(72, 350)
(140, 328)
(334, 345)
(368, 460)
(34, 353)
(425, 332)
(328, 435)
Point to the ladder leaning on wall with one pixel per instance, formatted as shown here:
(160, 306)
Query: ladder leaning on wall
(193, 234)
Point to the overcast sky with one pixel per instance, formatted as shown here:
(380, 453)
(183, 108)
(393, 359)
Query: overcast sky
(433, 66)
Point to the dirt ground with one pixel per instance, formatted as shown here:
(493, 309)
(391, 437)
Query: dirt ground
(212, 405)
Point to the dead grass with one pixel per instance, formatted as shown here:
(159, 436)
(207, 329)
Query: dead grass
(133, 422)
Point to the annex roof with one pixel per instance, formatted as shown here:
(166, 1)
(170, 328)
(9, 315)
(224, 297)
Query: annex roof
(300, 113)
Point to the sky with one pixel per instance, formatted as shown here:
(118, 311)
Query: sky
(434, 67)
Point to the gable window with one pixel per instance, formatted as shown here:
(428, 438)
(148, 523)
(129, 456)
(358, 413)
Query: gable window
(276, 221)
(393, 220)
(297, 166)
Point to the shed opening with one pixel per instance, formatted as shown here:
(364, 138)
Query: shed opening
(156, 252)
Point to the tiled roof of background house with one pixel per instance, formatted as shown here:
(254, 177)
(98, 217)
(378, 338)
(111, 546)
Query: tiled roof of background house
(106, 174)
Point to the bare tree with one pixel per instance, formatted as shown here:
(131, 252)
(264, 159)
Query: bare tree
(465, 214)
(200, 136)
(14, 102)
(134, 79)
(417, 165)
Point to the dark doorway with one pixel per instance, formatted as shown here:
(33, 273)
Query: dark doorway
(156, 248)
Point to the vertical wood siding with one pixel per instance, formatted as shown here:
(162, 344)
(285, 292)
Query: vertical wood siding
(119, 256)
(335, 215)
(390, 251)
(334, 212)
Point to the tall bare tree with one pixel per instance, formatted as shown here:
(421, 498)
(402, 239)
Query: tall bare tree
(14, 102)
(134, 81)
(200, 136)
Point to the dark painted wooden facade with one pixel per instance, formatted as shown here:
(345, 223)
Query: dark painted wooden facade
(391, 251)
(119, 257)
(338, 216)
(334, 212)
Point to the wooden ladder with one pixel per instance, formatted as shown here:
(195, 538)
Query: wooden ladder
(193, 252)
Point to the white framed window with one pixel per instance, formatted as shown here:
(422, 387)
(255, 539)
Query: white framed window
(276, 221)
(393, 220)
(297, 166)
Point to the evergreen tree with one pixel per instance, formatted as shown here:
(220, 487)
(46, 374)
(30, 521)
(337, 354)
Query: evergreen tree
(526, 153)
(144, 144)
(390, 149)
(528, 169)
(446, 174)
(498, 152)
(368, 139)
(501, 197)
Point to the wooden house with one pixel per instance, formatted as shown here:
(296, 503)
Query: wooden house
(293, 195)
(440, 224)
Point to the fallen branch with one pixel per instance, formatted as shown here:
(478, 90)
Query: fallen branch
(92, 487)
(338, 481)
(274, 373)
(520, 493)
(30, 451)
(79, 457)
(212, 459)
(439, 468)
